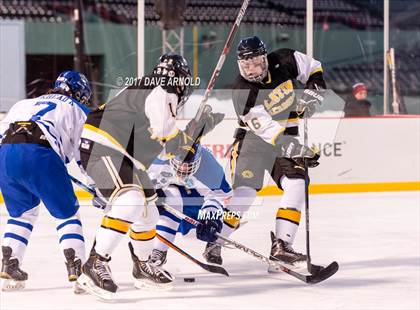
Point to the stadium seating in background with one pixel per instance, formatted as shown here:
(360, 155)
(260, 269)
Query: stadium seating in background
(341, 78)
(284, 12)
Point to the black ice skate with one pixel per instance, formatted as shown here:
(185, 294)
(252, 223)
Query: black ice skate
(284, 253)
(158, 258)
(96, 277)
(213, 253)
(13, 278)
(74, 269)
(148, 275)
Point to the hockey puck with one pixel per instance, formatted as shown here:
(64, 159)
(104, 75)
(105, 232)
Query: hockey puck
(189, 279)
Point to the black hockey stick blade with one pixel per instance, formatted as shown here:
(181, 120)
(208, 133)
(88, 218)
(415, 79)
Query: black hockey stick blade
(323, 273)
(314, 269)
(213, 268)
(209, 268)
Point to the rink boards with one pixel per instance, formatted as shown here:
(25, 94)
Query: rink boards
(357, 155)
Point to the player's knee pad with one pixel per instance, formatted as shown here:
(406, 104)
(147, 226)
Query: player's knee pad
(128, 206)
(148, 218)
(293, 193)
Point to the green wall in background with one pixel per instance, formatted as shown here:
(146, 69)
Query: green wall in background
(117, 44)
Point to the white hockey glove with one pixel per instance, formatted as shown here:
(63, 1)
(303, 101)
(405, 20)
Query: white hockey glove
(311, 98)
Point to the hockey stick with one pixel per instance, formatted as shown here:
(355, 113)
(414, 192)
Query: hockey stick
(391, 64)
(313, 269)
(98, 201)
(322, 275)
(83, 186)
(219, 65)
(210, 268)
(308, 249)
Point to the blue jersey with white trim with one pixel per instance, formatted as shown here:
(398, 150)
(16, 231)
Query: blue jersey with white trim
(209, 181)
(61, 119)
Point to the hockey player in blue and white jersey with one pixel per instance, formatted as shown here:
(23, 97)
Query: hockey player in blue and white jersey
(198, 188)
(38, 136)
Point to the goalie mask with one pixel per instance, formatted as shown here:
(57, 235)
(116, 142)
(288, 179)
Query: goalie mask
(172, 66)
(185, 168)
(252, 59)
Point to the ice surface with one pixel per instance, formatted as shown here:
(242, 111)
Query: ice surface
(374, 237)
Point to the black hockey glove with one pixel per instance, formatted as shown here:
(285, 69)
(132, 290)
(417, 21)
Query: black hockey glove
(182, 145)
(291, 148)
(205, 124)
(207, 228)
(311, 98)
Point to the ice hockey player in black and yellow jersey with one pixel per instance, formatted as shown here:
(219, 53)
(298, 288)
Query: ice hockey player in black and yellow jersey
(119, 142)
(268, 111)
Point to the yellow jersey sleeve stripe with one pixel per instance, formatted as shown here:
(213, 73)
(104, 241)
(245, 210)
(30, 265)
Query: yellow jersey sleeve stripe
(316, 71)
(103, 133)
(167, 138)
(290, 215)
(143, 236)
(117, 225)
(274, 138)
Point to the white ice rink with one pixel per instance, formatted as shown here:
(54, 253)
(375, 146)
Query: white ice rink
(374, 237)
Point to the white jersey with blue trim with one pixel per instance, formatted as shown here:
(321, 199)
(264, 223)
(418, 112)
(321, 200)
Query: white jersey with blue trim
(60, 118)
(209, 180)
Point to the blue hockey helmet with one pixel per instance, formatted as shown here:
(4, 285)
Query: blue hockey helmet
(252, 59)
(186, 167)
(76, 84)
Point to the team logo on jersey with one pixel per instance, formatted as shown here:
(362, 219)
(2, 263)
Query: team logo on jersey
(85, 144)
(247, 174)
(167, 174)
(276, 104)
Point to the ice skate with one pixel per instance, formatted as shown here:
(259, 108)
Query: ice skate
(74, 270)
(212, 253)
(284, 253)
(13, 278)
(96, 277)
(158, 258)
(148, 275)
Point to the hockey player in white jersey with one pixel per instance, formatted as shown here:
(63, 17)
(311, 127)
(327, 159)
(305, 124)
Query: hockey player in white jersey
(38, 137)
(119, 142)
(198, 188)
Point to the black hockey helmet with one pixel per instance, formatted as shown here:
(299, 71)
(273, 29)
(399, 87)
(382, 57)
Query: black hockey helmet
(173, 65)
(250, 47)
(251, 53)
